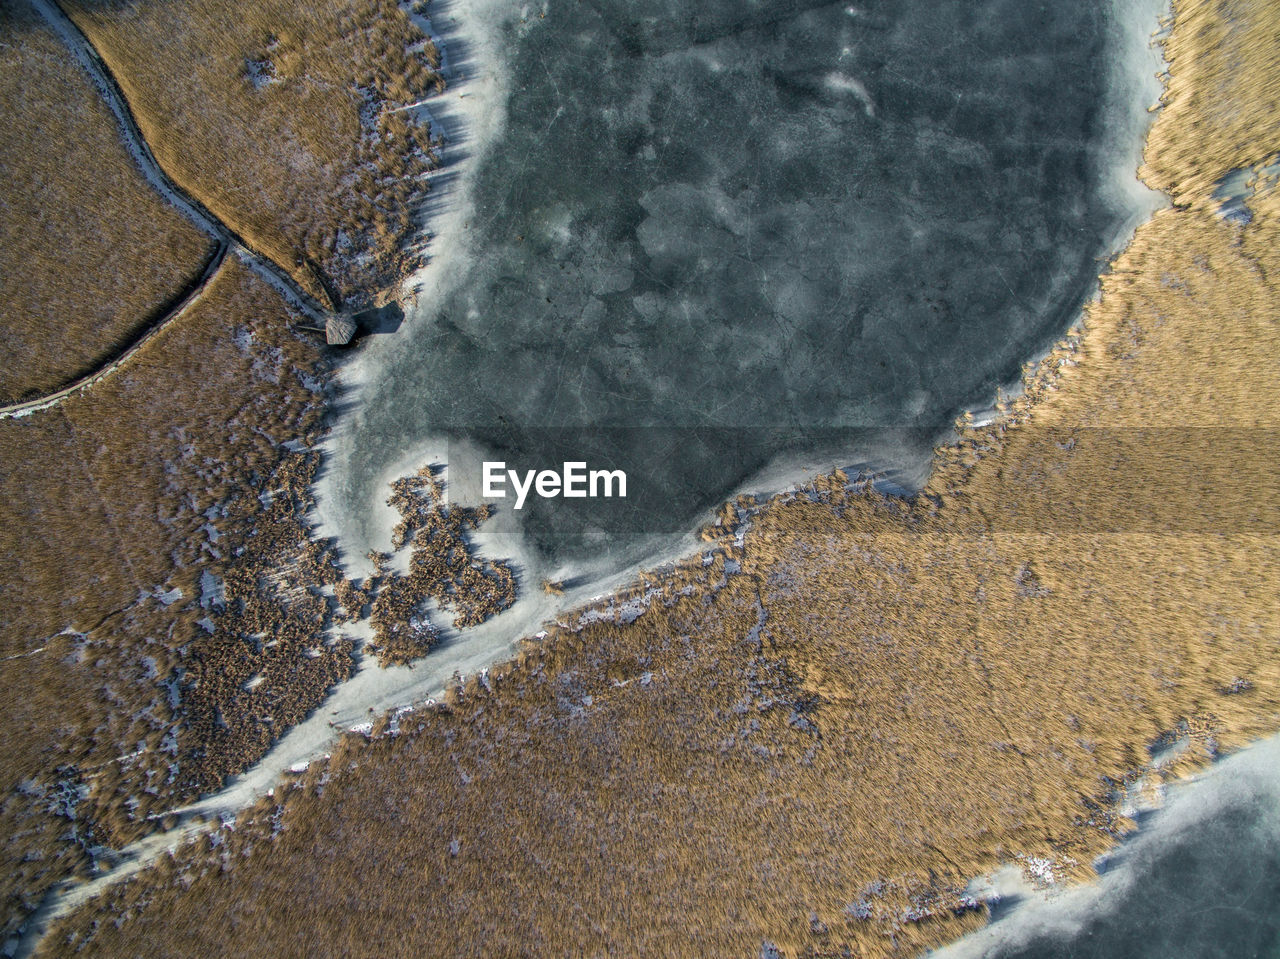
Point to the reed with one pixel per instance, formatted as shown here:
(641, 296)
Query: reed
(90, 253)
(284, 119)
(819, 744)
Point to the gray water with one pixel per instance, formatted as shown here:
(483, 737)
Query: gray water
(714, 234)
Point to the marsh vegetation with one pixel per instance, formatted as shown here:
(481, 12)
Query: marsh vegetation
(810, 737)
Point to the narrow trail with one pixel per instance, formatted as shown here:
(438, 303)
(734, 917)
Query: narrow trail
(373, 690)
(195, 290)
(228, 239)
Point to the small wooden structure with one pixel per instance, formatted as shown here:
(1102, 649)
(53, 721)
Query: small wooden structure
(338, 329)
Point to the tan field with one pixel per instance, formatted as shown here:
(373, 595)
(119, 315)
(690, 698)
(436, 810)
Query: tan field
(282, 119)
(869, 702)
(118, 703)
(74, 291)
(165, 612)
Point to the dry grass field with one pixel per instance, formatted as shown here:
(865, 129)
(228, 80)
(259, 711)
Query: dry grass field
(816, 738)
(165, 614)
(73, 290)
(154, 563)
(282, 119)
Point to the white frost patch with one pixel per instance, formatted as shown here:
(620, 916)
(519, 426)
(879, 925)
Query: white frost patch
(213, 592)
(167, 597)
(1040, 869)
(838, 82)
(173, 691)
(261, 73)
(393, 724)
(627, 611)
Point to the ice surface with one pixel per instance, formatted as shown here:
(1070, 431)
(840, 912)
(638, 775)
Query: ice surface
(1200, 879)
(696, 241)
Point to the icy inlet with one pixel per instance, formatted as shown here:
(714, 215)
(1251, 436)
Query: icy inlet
(711, 237)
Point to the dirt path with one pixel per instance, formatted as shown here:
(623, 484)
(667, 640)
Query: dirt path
(195, 211)
(192, 293)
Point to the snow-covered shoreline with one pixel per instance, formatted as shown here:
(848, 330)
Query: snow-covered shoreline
(376, 690)
(472, 114)
(1046, 910)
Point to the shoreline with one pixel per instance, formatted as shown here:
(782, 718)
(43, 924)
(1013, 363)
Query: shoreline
(1131, 104)
(373, 684)
(471, 114)
(379, 690)
(1169, 812)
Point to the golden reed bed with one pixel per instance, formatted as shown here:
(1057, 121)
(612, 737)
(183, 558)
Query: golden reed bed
(819, 737)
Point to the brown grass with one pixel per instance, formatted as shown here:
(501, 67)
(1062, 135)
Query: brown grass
(128, 686)
(314, 168)
(115, 695)
(1205, 95)
(882, 701)
(73, 290)
(442, 567)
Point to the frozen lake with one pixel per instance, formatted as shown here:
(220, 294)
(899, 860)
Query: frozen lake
(1199, 880)
(698, 240)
